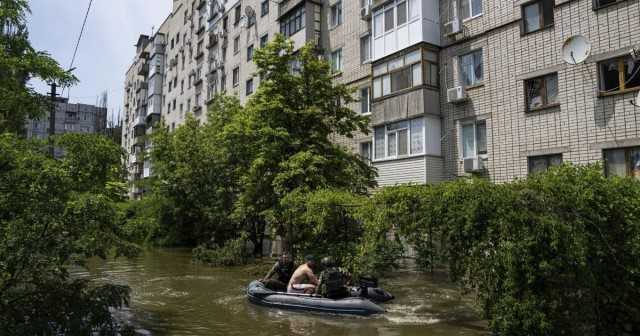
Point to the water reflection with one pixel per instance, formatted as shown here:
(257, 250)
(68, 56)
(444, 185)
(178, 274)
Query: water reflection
(172, 296)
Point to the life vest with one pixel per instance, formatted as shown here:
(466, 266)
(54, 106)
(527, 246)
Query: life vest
(333, 284)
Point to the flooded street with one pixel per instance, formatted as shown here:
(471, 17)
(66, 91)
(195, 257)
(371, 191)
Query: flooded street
(172, 296)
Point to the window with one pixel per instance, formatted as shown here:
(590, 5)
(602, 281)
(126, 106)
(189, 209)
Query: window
(249, 53)
(597, 4)
(236, 76)
(366, 151)
(251, 20)
(473, 140)
(388, 20)
(365, 48)
(619, 75)
(399, 139)
(182, 86)
(541, 92)
(414, 9)
(264, 8)
(223, 83)
(249, 87)
(336, 61)
(172, 43)
(470, 8)
(404, 72)
(293, 22)
(622, 162)
(378, 25)
(336, 14)
(263, 40)
(401, 13)
(189, 104)
(174, 104)
(540, 164)
(537, 15)
(237, 15)
(471, 72)
(365, 100)
(236, 44)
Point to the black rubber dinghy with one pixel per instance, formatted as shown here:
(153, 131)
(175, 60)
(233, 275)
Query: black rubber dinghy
(259, 294)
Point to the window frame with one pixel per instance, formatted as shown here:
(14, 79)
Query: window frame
(337, 68)
(293, 22)
(247, 83)
(409, 154)
(336, 15)
(368, 59)
(235, 76)
(471, 16)
(264, 12)
(477, 153)
(547, 157)
(423, 61)
(476, 82)
(542, 12)
(236, 44)
(597, 6)
(250, 53)
(621, 88)
(369, 158)
(543, 92)
(369, 100)
(627, 160)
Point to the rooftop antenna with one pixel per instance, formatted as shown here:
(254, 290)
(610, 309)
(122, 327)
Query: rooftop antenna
(576, 50)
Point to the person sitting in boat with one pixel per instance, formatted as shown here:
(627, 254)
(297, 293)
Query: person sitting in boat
(283, 268)
(333, 280)
(303, 280)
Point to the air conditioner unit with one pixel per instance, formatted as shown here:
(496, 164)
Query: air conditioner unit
(456, 94)
(452, 27)
(365, 12)
(474, 165)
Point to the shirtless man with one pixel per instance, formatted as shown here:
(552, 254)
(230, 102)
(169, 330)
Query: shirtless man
(303, 280)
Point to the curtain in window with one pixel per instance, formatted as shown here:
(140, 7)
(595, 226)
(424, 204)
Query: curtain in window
(379, 134)
(634, 157)
(391, 144)
(414, 9)
(481, 137)
(615, 162)
(417, 136)
(468, 141)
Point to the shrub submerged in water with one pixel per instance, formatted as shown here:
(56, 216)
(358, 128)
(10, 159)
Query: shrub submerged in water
(235, 252)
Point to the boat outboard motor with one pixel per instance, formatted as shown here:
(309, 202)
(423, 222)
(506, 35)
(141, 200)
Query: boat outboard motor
(368, 288)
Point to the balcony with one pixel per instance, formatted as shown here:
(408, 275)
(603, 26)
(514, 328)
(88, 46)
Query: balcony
(142, 85)
(139, 120)
(285, 7)
(143, 69)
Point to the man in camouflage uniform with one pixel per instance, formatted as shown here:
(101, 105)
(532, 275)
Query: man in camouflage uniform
(333, 280)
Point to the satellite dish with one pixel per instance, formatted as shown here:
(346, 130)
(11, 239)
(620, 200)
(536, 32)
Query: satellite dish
(249, 12)
(636, 102)
(576, 49)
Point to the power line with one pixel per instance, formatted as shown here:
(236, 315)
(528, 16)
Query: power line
(75, 51)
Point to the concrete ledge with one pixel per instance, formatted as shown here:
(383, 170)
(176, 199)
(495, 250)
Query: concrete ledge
(546, 151)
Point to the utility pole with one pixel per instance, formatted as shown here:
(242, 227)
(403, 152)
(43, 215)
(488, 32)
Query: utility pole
(52, 116)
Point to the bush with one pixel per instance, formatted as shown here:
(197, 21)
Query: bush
(235, 252)
(556, 254)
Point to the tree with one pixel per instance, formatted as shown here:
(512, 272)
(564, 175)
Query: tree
(190, 174)
(20, 63)
(52, 217)
(280, 143)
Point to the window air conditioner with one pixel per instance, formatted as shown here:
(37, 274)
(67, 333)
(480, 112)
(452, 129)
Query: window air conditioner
(365, 12)
(474, 165)
(456, 94)
(452, 27)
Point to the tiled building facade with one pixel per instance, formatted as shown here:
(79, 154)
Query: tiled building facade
(453, 87)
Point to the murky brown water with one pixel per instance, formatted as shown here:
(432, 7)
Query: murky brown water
(172, 296)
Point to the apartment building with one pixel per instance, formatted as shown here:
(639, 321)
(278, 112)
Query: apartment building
(511, 105)
(69, 118)
(453, 87)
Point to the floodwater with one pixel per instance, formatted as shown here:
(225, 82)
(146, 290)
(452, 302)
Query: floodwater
(173, 296)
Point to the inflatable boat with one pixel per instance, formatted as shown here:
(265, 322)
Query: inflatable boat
(257, 293)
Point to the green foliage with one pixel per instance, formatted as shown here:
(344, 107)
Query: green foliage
(555, 254)
(20, 63)
(49, 220)
(234, 252)
(232, 174)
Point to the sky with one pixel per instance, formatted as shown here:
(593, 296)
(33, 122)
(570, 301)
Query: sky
(107, 47)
